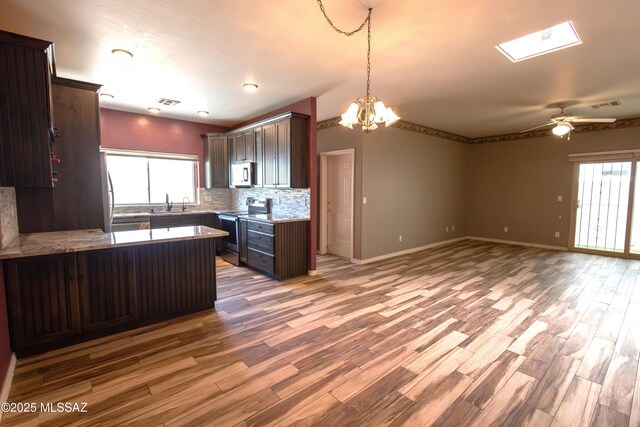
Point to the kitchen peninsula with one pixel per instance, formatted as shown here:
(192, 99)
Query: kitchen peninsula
(71, 286)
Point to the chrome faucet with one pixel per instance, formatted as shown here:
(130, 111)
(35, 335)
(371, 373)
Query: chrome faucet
(169, 205)
(184, 208)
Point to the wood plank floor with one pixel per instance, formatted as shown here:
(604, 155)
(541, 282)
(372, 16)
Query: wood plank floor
(469, 334)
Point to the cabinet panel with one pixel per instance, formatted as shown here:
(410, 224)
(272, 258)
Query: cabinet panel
(107, 285)
(284, 154)
(175, 278)
(25, 112)
(260, 261)
(216, 161)
(249, 146)
(270, 155)
(42, 299)
(260, 241)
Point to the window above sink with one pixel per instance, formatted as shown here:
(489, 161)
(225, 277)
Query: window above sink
(145, 178)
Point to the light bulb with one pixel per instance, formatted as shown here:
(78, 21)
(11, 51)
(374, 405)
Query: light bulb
(562, 129)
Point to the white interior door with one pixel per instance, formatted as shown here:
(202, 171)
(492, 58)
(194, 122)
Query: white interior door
(339, 204)
(604, 191)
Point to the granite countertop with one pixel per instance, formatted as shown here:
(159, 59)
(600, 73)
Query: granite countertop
(275, 218)
(58, 242)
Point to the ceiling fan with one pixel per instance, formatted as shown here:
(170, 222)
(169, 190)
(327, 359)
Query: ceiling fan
(563, 122)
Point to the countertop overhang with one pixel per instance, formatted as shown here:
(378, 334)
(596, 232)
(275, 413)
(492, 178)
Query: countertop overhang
(57, 242)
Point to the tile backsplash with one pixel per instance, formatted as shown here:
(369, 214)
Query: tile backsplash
(289, 201)
(8, 216)
(285, 200)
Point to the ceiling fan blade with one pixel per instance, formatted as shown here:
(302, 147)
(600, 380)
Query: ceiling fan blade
(538, 127)
(592, 120)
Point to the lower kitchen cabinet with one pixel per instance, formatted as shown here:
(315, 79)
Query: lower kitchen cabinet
(42, 300)
(278, 250)
(57, 300)
(107, 284)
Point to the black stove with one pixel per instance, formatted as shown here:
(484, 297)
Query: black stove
(229, 222)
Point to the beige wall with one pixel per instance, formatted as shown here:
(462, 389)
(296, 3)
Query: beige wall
(415, 186)
(516, 184)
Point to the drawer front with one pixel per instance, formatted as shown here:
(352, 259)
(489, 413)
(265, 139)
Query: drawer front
(174, 220)
(262, 227)
(260, 241)
(260, 261)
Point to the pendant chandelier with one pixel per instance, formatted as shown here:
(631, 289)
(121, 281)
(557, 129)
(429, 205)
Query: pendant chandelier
(367, 111)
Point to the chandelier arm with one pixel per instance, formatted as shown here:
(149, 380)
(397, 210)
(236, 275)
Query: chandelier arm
(346, 33)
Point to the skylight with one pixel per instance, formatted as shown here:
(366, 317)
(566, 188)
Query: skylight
(544, 41)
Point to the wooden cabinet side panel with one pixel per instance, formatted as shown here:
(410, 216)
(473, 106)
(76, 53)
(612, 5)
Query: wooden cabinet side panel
(291, 245)
(25, 125)
(299, 151)
(220, 163)
(175, 278)
(42, 299)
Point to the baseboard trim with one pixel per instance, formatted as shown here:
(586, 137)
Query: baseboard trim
(8, 379)
(511, 242)
(406, 251)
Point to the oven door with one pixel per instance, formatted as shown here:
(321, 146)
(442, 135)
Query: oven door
(229, 223)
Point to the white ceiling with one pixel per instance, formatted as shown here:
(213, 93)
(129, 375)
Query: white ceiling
(433, 61)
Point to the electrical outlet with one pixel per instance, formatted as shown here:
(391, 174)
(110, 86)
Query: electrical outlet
(506, 229)
(400, 238)
(557, 234)
(559, 197)
(453, 228)
(364, 200)
(446, 229)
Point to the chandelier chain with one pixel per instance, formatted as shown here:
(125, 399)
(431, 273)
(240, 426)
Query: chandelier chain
(350, 33)
(346, 33)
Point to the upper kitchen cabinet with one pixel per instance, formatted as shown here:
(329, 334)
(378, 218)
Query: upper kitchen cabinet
(76, 201)
(216, 161)
(285, 145)
(26, 66)
(244, 147)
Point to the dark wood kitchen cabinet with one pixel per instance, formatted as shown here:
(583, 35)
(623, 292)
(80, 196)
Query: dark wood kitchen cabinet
(62, 299)
(285, 146)
(176, 220)
(278, 250)
(107, 288)
(216, 161)
(25, 111)
(76, 201)
(244, 147)
(42, 300)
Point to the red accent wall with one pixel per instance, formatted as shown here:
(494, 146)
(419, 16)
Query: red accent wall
(306, 106)
(5, 343)
(131, 131)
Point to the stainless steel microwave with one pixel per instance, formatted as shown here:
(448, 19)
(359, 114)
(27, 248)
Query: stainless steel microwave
(243, 174)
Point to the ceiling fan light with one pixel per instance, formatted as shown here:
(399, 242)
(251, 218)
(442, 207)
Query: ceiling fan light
(562, 129)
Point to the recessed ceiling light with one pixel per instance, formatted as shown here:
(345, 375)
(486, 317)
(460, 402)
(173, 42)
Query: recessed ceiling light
(154, 110)
(122, 53)
(250, 87)
(544, 41)
(203, 113)
(106, 96)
